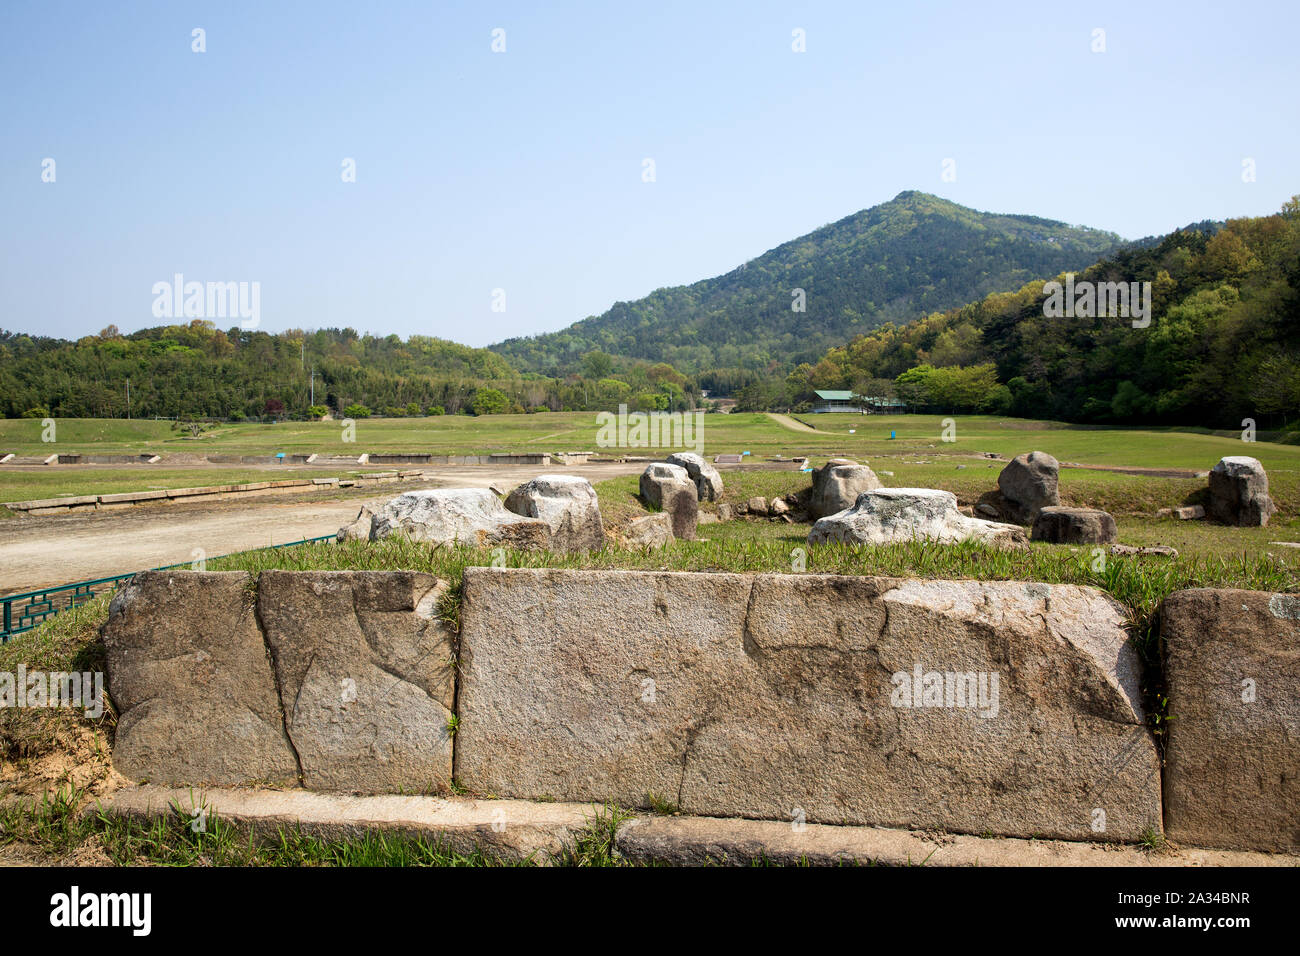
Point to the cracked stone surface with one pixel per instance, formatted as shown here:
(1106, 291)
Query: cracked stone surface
(1233, 757)
(777, 697)
(189, 675)
(365, 672)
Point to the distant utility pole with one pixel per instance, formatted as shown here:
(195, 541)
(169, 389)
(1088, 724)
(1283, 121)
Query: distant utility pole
(128, 399)
(313, 386)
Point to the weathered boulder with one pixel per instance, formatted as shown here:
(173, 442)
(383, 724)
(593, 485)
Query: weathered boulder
(1058, 525)
(836, 486)
(651, 531)
(889, 515)
(1239, 492)
(472, 516)
(365, 670)
(359, 529)
(970, 706)
(189, 675)
(569, 507)
(1026, 485)
(708, 482)
(670, 489)
(1232, 760)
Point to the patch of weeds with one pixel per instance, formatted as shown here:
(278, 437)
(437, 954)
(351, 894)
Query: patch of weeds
(594, 845)
(1153, 840)
(661, 805)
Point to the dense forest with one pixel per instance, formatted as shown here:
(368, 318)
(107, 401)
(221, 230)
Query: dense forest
(1223, 343)
(199, 371)
(903, 258)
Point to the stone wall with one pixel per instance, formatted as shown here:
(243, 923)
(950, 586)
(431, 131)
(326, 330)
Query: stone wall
(1005, 708)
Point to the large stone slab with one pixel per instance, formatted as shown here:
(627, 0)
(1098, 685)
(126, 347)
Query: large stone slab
(1232, 769)
(709, 841)
(894, 515)
(780, 697)
(189, 675)
(365, 670)
(509, 829)
(470, 516)
(568, 505)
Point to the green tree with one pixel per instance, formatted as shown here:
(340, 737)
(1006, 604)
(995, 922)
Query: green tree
(490, 401)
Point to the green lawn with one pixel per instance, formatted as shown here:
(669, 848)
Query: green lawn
(55, 482)
(917, 435)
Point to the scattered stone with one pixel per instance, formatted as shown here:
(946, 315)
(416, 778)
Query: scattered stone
(359, 529)
(837, 484)
(725, 512)
(1058, 525)
(887, 474)
(889, 515)
(757, 506)
(984, 508)
(707, 517)
(670, 489)
(1190, 513)
(187, 665)
(778, 507)
(445, 516)
(1232, 773)
(1239, 492)
(751, 695)
(1154, 550)
(1164, 512)
(1286, 544)
(651, 531)
(708, 482)
(568, 505)
(1026, 485)
(365, 670)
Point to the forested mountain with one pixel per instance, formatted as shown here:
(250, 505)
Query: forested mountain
(906, 257)
(1223, 343)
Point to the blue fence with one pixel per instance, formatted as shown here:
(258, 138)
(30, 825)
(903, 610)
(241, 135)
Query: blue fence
(22, 612)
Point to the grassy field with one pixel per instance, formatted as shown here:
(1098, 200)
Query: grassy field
(61, 482)
(753, 432)
(917, 457)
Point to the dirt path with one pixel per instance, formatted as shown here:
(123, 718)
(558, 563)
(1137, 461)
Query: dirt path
(59, 549)
(795, 426)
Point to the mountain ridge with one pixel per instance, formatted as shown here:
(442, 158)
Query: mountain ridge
(895, 261)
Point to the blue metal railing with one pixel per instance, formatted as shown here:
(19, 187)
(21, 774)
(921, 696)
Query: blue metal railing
(22, 612)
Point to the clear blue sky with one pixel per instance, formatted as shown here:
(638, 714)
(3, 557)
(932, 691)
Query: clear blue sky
(522, 170)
